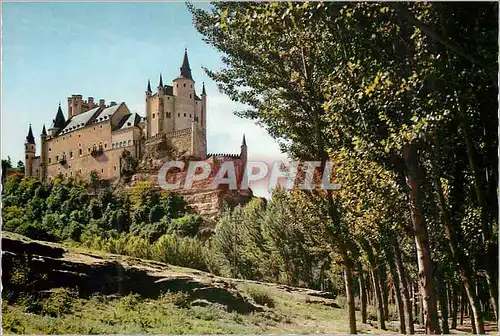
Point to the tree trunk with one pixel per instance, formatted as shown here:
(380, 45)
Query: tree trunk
(404, 286)
(362, 293)
(454, 237)
(454, 311)
(473, 321)
(426, 283)
(376, 284)
(349, 290)
(463, 304)
(450, 298)
(443, 303)
(384, 289)
(397, 288)
(481, 200)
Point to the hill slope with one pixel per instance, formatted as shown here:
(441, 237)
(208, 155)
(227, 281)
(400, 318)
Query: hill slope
(49, 288)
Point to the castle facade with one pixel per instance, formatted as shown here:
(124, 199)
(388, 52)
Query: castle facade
(96, 137)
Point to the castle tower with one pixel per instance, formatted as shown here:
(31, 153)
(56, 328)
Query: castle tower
(58, 123)
(43, 155)
(184, 93)
(29, 151)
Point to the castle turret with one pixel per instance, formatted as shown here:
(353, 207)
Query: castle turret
(204, 108)
(244, 150)
(29, 151)
(148, 89)
(161, 87)
(184, 84)
(58, 123)
(43, 154)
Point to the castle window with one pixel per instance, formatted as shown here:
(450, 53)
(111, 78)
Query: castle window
(71, 173)
(177, 85)
(70, 155)
(178, 114)
(80, 151)
(102, 170)
(168, 98)
(184, 114)
(100, 126)
(79, 135)
(153, 115)
(94, 128)
(49, 160)
(89, 149)
(80, 170)
(50, 149)
(114, 167)
(195, 118)
(191, 86)
(184, 84)
(105, 145)
(190, 96)
(26, 157)
(57, 157)
(190, 116)
(69, 166)
(80, 144)
(130, 142)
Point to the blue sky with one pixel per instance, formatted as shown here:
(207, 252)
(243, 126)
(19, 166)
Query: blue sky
(107, 50)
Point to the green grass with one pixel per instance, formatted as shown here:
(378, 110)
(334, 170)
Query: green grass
(64, 313)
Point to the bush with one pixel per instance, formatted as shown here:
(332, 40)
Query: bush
(260, 297)
(59, 303)
(187, 226)
(187, 252)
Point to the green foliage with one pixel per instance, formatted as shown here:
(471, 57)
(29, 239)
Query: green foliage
(260, 296)
(60, 302)
(187, 226)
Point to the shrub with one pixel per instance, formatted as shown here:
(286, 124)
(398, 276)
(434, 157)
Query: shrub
(260, 297)
(187, 252)
(60, 302)
(187, 226)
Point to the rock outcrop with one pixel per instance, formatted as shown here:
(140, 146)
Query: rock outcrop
(29, 266)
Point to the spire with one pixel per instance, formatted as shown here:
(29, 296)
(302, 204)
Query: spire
(161, 81)
(30, 138)
(59, 121)
(44, 132)
(185, 69)
(203, 92)
(149, 86)
(244, 141)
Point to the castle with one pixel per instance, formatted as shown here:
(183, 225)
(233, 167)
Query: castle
(96, 138)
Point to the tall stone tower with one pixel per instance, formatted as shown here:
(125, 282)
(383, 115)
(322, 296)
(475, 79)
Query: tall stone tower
(176, 110)
(29, 151)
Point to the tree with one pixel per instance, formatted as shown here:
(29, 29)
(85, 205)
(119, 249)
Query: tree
(20, 166)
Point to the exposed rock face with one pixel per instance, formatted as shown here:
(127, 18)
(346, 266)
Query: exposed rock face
(36, 268)
(202, 198)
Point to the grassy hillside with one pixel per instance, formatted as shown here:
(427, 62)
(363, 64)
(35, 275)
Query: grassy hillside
(282, 309)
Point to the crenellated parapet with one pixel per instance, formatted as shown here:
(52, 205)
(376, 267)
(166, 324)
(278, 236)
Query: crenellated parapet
(233, 156)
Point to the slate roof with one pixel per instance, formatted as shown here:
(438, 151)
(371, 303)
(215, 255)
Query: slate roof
(30, 138)
(128, 121)
(106, 113)
(80, 120)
